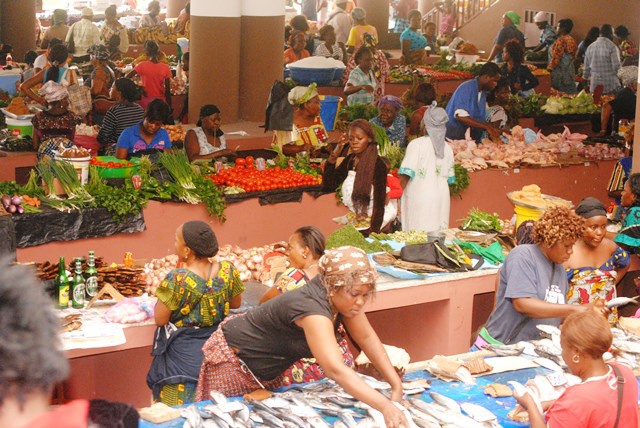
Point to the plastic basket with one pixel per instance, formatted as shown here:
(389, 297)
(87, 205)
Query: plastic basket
(525, 213)
(117, 172)
(307, 76)
(329, 107)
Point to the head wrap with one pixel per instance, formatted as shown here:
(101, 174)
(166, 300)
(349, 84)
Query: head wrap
(59, 17)
(208, 110)
(346, 267)
(541, 17)
(87, 12)
(358, 13)
(628, 74)
(591, 207)
(52, 91)
(199, 236)
(301, 94)
(391, 100)
(101, 52)
(435, 122)
(514, 17)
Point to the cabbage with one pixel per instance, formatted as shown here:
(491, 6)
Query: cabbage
(579, 104)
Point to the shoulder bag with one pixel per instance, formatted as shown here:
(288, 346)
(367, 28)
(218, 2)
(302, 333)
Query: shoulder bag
(621, 382)
(79, 96)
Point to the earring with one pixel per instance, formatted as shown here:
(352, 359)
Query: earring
(304, 256)
(575, 359)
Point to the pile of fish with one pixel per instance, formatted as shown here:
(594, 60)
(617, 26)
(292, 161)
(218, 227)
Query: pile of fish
(308, 406)
(518, 149)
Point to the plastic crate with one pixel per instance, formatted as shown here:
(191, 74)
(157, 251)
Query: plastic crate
(117, 172)
(307, 76)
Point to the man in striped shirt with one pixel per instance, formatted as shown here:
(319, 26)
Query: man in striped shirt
(602, 61)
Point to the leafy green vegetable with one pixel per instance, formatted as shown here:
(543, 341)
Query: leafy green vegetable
(119, 201)
(9, 188)
(407, 237)
(482, 221)
(349, 113)
(349, 235)
(211, 196)
(462, 180)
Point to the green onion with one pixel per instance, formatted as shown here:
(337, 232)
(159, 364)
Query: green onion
(178, 166)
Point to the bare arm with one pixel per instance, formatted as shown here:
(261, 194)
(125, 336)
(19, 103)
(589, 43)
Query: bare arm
(270, 294)
(121, 153)
(235, 302)
(494, 51)
(318, 331)
(27, 87)
(404, 180)
(494, 133)
(536, 308)
(605, 116)
(162, 314)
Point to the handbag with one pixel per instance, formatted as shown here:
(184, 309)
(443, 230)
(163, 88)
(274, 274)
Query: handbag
(79, 97)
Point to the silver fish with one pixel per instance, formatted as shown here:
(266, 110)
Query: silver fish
(218, 397)
(548, 330)
(259, 405)
(297, 421)
(192, 416)
(318, 422)
(505, 350)
(445, 401)
(433, 409)
(218, 413)
(347, 419)
(270, 419)
(340, 401)
(478, 413)
(627, 346)
(548, 364)
(621, 301)
(375, 383)
(422, 419)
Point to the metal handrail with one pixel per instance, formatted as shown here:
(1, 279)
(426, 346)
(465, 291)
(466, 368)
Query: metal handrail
(467, 10)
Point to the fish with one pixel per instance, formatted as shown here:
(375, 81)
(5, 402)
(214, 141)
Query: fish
(478, 413)
(367, 423)
(192, 416)
(548, 330)
(505, 350)
(621, 301)
(295, 420)
(340, 401)
(419, 383)
(627, 346)
(318, 422)
(260, 405)
(375, 383)
(432, 409)
(318, 386)
(218, 413)
(422, 419)
(348, 419)
(445, 401)
(270, 419)
(548, 364)
(276, 402)
(218, 397)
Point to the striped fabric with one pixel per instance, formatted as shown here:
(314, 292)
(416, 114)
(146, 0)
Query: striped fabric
(118, 118)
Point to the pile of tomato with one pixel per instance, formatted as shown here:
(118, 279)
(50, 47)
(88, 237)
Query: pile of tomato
(249, 178)
(111, 164)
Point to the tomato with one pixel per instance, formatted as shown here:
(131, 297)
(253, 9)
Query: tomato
(250, 162)
(240, 162)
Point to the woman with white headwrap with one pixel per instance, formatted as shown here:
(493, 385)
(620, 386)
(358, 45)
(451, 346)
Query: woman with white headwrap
(54, 127)
(623, 106)
(309, 133)
(425, 174)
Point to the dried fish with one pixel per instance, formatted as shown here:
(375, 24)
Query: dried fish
(384, 259)
(627, 346)
(478, 413)
(621, 301)
(505, 350)
(445, 401)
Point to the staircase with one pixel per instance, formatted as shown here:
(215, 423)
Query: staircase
(467, 10)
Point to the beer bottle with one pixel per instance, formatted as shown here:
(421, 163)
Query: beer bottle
(62, 285)
(77, 290)
(92, 277)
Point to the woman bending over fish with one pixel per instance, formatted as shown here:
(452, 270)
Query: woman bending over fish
(252, 351)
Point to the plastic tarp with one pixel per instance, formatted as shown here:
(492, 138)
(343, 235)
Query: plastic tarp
(7, 237)
(52, 225)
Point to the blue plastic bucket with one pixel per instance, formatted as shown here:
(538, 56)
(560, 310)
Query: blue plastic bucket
(329, 106)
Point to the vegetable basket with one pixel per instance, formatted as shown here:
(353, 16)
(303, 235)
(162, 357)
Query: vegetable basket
(123, 172)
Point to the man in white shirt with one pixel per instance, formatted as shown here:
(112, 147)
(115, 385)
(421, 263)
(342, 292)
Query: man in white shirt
(341, 21)
(84, 34)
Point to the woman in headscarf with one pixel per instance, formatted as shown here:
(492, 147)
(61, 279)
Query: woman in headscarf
(192, 301)
(206, 140)
(54, 127)
(508, 32)
(629, 236)
(296, 49)
(309, 133)
(389, 118)
(363, 175)
(56, 70)
(359, 29)
(251, 351)
(425, 174)
(623, 106)
(561, 59)
(58, 29)
(102, 76)
(597, 263)
(607, 394)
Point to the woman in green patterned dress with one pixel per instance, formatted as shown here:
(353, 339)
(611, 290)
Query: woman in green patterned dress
(192, 301)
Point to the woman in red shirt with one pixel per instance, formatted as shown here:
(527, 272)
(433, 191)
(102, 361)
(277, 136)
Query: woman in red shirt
(153, 73)
(596, 401)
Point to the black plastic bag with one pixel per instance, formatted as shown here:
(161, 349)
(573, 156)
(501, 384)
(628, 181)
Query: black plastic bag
(279, 114)
(432, 253)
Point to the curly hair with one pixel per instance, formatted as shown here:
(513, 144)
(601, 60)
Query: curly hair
(557, 224)
(515, 51)
(30, 349)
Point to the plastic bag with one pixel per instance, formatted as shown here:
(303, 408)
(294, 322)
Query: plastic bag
(130, 311)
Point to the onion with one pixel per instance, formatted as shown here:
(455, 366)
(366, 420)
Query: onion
(20, 209)
(256, 259)
(11, 209)
(16, 200)
(6, 201)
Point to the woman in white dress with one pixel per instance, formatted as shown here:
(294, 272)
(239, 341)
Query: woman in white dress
(425, 174)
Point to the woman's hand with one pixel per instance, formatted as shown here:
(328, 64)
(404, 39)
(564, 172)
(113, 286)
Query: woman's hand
(525, 401)
(393, 417)
(396, 393)
(335, 154)
(367, 88)
(599, 307)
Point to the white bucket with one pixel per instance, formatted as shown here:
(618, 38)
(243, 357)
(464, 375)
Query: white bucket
(81, 166)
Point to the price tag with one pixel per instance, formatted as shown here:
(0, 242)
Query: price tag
(516, 170)
(556, 378)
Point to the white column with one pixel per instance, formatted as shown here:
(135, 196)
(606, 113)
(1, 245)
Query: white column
(214, 59)
(261, 48)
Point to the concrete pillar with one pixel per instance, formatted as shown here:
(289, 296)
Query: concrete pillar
(377, 15)
(17, 24)
(214, 61)
(260, 55)
(174, 7)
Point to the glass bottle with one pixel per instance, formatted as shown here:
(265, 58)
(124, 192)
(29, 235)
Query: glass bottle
(77, 289)
(62, 285)
(92, 277)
